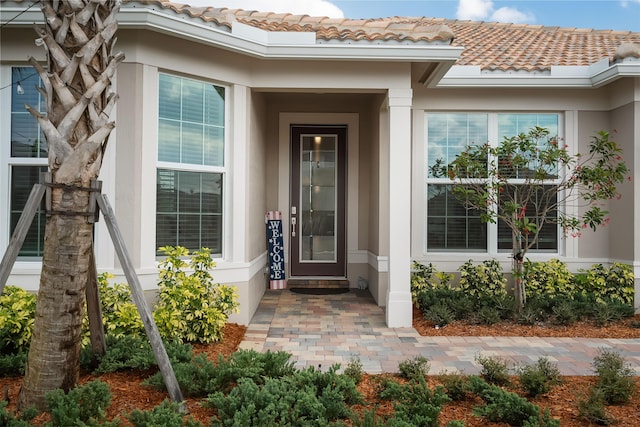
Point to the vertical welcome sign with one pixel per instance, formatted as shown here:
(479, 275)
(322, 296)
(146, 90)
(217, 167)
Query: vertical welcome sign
(275, 243)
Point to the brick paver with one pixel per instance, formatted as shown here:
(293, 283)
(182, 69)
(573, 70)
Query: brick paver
(323, 330)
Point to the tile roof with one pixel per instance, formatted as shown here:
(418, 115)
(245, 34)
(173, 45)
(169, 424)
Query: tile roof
(490, 45)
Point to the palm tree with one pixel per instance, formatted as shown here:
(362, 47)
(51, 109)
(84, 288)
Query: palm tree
(78, 37)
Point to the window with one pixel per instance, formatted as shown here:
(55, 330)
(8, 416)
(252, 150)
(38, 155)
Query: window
(191, 169)
(449, 225)
(28, 156)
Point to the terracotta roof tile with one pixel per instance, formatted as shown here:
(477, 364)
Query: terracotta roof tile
(489, 45)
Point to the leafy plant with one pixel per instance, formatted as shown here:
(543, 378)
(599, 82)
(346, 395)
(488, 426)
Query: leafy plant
(615, 377)
(83, 405)
(539, 378)
(414, 368)
(548, 279)
(485, 279)
(456, 423)
(608, 283)
(119, 314)
(494, 369)
(191, 307)
(17, 313)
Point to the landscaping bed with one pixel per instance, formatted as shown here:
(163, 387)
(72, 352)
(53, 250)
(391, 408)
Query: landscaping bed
(128, 392)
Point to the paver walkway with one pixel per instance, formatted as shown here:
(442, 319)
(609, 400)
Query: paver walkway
(328, 329)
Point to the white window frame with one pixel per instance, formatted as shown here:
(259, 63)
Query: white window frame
(492, 228)
(7, 161)
(189, 167)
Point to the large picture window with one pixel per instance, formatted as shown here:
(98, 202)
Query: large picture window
(449, 225)
(191, 166)
(28, 156)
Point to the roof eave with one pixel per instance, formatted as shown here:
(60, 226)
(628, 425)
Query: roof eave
(594, 76)
(255, 42)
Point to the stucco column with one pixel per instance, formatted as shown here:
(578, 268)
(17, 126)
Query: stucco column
(399, 308)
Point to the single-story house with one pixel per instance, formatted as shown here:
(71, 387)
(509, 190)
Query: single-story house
(227, 114)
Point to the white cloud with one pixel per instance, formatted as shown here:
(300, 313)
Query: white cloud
(509, 14)
(302, 7)
(625, 3)
(482, 10)
(475, 10)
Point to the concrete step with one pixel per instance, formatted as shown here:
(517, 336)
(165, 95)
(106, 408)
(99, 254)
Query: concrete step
(317, 283)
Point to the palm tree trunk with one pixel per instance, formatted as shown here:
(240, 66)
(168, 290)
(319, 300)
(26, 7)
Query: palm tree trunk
(78, 37)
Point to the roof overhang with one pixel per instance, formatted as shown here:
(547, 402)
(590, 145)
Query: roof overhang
(252, 41)
(596, 75)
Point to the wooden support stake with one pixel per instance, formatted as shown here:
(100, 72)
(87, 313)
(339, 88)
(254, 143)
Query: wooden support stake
(137, 294)
(94, 310)
(19, 234)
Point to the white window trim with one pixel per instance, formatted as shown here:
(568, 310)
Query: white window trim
(190, 167)
(492, 251)
(7, 162)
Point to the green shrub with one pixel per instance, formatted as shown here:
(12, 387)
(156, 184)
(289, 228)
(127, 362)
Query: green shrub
(485, 279)
(13, 364)
(425, 277)
(615, 377)
(502, 405)
(415, 404)
(83, 405)
(539, 378)
(17, 314)
(431, 297)
(548, 279)
(167, 414)
(199, 377)
(354, 370)
(494, 369)
(592, 409)
(439, 314)
(7, 419)
(119, 314)
(191, 307)
(564, 313)
(455, 385)
(414, 368)
(305, 398)
(456, 423)
(132, 352)
(487, 315)
(608, 283)
(194, 377)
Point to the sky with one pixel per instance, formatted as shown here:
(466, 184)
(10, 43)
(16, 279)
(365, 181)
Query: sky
(621, 15)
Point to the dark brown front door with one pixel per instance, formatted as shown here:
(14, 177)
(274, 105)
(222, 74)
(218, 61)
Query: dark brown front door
(318, 189)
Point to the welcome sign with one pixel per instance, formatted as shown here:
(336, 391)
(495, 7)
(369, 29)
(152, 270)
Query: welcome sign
(275, 243)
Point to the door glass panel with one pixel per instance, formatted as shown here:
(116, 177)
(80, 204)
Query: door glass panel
(318, 198)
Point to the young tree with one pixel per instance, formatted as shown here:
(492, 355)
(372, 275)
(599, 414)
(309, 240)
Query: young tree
(530, 180)
(78, 38)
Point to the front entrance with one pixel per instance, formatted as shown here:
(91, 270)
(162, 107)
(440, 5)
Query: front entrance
(318, 189)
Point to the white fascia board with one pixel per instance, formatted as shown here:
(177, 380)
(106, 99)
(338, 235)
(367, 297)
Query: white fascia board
(593, 76)
(252, 41)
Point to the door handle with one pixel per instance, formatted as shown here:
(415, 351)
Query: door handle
(293, 226)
